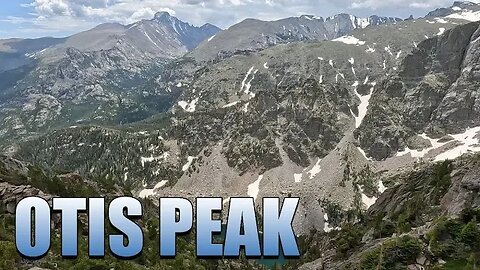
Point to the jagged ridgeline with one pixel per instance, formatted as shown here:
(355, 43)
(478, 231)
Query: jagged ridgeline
(104, 75)
(356, 116)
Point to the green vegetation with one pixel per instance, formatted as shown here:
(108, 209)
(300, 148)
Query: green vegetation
(457, 241)
(441, 179)
(98, 153)
(410, 215)
(261, 153)
(39, 179)
(8, 255)
(392, 254)
(149, 259)
(72, 185)
(383, 227)
(347, 239)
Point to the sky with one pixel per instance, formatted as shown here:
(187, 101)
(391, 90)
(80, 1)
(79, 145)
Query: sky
(58, 18)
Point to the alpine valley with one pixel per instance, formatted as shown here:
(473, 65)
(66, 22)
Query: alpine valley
(374, 123)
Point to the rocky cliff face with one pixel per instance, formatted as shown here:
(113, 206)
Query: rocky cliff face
(281, 119)
(253, 35)
(348, 125)
(433, 92)
(411, 225)
(334, 122)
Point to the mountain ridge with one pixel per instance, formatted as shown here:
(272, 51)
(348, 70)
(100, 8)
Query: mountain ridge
(252, 35)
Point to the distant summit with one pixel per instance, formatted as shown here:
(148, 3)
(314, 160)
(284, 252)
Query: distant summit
(162, 14)
(463, 10)
(253, 35)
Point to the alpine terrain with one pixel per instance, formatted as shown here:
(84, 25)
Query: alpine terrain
(374, 123)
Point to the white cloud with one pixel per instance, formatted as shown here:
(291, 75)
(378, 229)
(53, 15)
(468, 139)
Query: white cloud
(46, 16)
(14, 20)
(221, 12)
(377, 4)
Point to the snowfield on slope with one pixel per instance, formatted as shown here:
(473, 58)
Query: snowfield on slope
(254, 188)
(151, 192)
(468, 142)
(350, 40)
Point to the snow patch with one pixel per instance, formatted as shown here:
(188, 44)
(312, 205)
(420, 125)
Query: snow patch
(231, 104)
(441, 20)
(352, 61)
(247, 82)
(398, 54)
(363, 107)
(254, 188)
(326, 225)
(364, 154)
(381, 187)
(366, 80)
(245, 108)
(367, 201)
(339, 75)
(297, 177)
(469, 144)
(389, 50)
(151, 40)
(187, 165)
(150, 159)
(467, 140)
(150, 192)
(188, 106)
(316, 169)
(441, 30)
(467, 15)
(350, 40)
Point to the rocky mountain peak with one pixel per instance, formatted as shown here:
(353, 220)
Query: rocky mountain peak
(209, 26)
(161, 15)
(106, 26)
(463, 4)
(264, 108)
(459, 10)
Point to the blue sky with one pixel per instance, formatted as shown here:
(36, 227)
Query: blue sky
(37, 18)
(11, 8)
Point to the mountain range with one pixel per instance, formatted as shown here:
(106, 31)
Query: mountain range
(373, 122)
